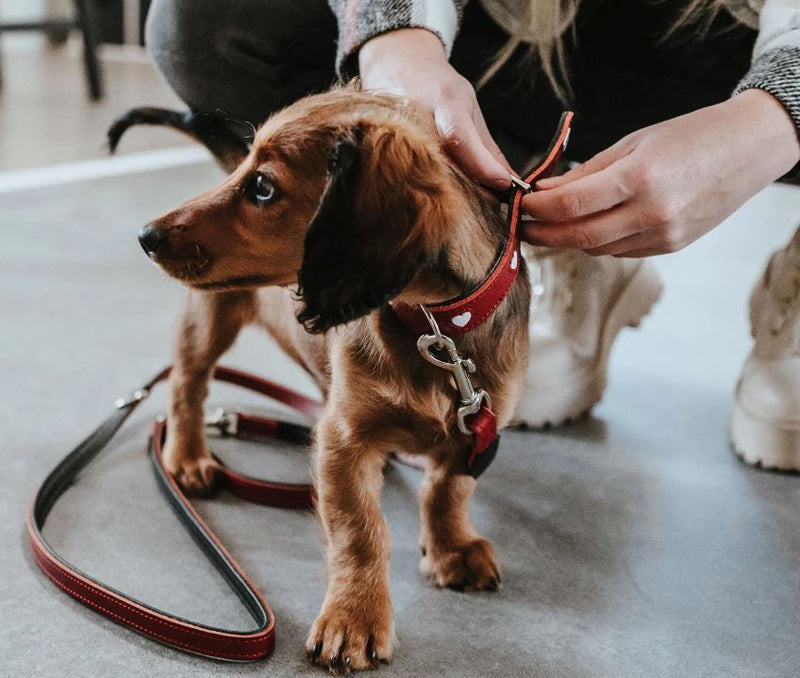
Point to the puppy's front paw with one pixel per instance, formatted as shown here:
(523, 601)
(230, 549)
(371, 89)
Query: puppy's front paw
(468, 567)
(196, 474)
(353, 635)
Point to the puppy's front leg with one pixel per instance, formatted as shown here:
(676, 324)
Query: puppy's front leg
(209, 324)
(453, 554)
(354, 629)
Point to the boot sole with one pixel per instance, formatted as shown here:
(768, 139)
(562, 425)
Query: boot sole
(763, 444)
(569, 400)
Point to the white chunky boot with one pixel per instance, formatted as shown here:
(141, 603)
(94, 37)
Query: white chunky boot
(579, 305)
(765, 423)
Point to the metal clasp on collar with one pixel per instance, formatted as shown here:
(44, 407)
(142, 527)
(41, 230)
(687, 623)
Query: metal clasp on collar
(226, 423)
(472, 399)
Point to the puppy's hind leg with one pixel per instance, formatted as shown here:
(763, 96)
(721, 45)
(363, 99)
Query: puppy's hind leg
(209, 324)
(453, 554)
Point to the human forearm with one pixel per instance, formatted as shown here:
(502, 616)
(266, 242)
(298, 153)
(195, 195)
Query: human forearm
(662, 187)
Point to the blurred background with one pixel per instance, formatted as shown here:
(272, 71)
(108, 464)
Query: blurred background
(50, 110)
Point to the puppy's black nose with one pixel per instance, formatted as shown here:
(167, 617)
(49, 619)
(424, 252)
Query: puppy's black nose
(151, 238)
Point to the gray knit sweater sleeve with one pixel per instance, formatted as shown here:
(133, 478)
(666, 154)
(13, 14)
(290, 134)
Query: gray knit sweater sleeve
(776, 56)
(360, 20)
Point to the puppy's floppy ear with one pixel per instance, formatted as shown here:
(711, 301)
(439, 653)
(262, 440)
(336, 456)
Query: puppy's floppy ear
(380, 220)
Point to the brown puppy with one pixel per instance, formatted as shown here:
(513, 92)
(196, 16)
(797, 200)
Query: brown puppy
(347, 197)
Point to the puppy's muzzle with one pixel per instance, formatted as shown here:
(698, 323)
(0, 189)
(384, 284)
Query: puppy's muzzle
(166, 248)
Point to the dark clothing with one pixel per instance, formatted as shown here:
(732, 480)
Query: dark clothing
(248, 58)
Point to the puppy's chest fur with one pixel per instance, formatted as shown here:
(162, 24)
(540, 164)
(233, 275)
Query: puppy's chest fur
(381, 385)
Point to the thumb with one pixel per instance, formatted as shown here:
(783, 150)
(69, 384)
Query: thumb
(463, 142)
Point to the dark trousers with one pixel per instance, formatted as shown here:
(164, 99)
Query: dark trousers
(248, 58)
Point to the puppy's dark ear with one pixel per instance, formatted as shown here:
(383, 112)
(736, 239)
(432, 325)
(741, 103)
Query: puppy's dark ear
(381, 219)
(211, 130)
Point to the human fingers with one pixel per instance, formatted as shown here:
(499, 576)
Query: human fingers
(461, 139)
(623, 247)
(593, 193)
(488, 139)
(640, 254)
(594, 164)
(588, 233)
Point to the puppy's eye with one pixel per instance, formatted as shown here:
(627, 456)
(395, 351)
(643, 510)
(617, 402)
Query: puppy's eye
(262, 190)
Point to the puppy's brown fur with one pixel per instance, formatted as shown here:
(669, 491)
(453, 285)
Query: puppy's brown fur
(392, 216)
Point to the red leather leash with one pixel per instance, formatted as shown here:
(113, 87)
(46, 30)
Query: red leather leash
(464, 313)
(163, 627)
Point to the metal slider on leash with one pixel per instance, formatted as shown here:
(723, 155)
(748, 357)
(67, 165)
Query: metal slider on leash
(472, 399)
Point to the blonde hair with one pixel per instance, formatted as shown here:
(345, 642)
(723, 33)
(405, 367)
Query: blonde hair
(548, 24)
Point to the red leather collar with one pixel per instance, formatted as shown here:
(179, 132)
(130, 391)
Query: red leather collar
(466, 312)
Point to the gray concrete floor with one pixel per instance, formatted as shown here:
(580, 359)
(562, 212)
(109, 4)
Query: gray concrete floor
(633, 543)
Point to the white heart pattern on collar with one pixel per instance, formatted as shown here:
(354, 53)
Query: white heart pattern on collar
(461, 320)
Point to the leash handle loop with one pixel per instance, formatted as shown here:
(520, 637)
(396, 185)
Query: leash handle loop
(182, 634)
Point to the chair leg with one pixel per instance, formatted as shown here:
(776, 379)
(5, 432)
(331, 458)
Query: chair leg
(55, 36)
(93, 71)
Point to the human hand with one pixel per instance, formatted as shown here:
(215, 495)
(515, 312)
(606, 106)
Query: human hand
(411, 62)
(662, 187)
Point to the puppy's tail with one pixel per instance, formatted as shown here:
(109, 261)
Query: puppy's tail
(213, 131)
